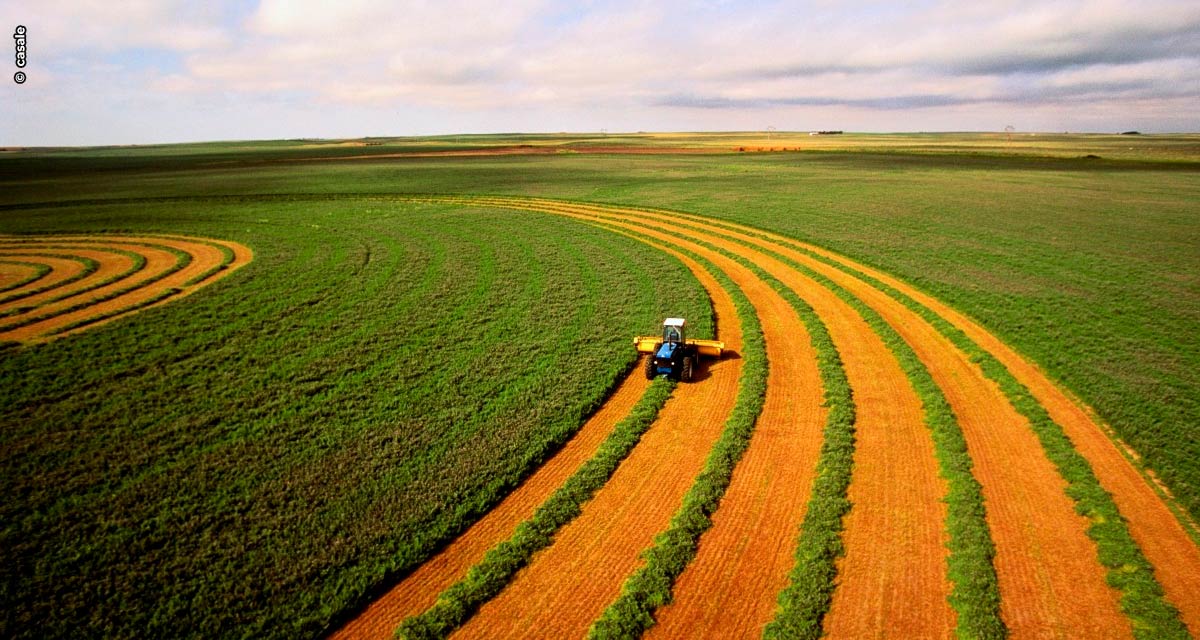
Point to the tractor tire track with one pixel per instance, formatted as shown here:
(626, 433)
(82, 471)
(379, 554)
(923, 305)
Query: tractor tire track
(567, 585)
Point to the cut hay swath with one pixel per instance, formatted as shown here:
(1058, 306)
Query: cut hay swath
(85, 281)
(1082, 541)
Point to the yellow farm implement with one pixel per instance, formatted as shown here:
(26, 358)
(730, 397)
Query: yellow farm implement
(672, 354)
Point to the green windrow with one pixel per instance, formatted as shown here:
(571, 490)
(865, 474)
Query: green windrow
(650, 587)
(1142, 597)
(457, 603)
(39, 271)
(1128, 570)
(89, 267)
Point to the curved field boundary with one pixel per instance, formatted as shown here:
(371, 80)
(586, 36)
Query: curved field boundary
(12, 269)
(123, 274)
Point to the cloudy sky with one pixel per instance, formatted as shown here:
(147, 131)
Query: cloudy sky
(141, 71)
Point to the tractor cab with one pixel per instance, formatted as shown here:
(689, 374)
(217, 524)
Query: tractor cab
(673, 331)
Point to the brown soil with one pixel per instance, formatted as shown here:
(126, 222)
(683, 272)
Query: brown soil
(420, 589)
(894, 574)
(1051, 582)
(60, 269)
(567, 585)
(1161, 536)
(729, 589)
(11, 274)
(111, 264)
(158, 260)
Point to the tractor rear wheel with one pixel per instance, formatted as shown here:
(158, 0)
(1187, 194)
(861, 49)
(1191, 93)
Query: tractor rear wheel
(686, 371)
(650, 368)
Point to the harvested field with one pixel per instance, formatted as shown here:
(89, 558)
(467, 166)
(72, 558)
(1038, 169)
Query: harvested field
(417, 414)
(97, 279)
(1051, 580)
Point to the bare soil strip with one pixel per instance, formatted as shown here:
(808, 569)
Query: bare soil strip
(743, 560)
(1165, 542)
(131, 292)
(420, 589)
(14, 273)
(1051, 581)
(60, 269)
(567, 585)
(893, 577)
(112, 264)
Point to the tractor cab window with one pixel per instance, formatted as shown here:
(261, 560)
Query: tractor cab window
(671, 334)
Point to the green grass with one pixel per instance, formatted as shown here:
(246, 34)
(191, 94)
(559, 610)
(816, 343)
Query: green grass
(118, 471)
(485, 580)
(261, 458)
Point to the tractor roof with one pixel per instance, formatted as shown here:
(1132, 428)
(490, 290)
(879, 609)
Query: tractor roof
(673, 322)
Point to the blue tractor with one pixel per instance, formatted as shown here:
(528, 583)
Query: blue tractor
(674, 355)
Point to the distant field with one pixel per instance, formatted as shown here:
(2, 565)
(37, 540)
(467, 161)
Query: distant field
(232, 453)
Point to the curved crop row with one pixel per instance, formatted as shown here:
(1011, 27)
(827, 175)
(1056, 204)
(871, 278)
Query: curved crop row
(497, 568)
(59, 308)
(88, 267)
(1142, 601)
(39, 271)
(1128, 570)
(650, 587)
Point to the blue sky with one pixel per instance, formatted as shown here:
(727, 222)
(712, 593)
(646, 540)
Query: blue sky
(145, 71)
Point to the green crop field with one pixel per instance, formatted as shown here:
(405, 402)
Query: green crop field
(262, 458)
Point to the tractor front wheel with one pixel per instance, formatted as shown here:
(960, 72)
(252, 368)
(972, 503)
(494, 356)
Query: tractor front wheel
(650, 368)
(686, 372)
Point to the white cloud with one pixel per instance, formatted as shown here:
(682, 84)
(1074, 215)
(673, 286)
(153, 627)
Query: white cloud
(500, 65)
